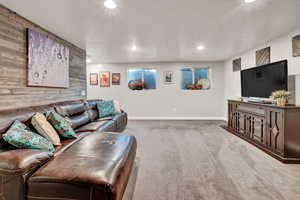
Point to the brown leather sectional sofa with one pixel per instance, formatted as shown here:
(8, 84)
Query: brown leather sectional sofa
(95, 166)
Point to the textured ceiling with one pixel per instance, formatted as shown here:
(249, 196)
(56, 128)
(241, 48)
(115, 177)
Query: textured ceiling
(163, 30)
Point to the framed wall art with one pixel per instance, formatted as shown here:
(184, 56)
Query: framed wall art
(104, 79)
(168, 77)
(48, 61)
(116, 78)
(94, 79)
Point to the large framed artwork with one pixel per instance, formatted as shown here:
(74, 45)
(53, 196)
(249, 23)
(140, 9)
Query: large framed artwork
(115, 78)
(296, 46)
(48, 61)
(104, 79)
(94, 79)
(263, 56)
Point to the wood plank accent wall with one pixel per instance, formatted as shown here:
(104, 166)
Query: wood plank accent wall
(14, 92)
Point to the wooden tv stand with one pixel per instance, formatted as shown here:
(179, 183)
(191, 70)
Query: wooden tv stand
(273, 129)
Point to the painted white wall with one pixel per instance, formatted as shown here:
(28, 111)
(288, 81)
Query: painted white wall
(281, 49)
(167, 101)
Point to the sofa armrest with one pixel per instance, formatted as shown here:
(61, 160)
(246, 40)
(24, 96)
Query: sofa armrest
(21, 161)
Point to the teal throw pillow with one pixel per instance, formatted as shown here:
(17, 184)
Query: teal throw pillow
(106, 108)
(61, 125)
(20, 136)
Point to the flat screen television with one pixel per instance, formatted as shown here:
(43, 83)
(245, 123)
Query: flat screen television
(263, 80)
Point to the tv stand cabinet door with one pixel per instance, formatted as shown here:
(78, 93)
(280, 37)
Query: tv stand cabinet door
(275, 130)
(258, 129)
(242, 123)
(232, 116)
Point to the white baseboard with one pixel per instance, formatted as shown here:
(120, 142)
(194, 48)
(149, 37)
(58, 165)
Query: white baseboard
(177, 118)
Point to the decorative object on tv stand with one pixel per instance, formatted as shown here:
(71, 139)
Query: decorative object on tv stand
(94, 79)
(237, 65)
(48, 61)
(168, 77)
(296, 46)
(104, 79)
(115, 78)
(263, 56)
(195, 79)
(281, 97)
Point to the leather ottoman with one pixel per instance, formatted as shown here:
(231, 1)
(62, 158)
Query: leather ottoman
(96, 167)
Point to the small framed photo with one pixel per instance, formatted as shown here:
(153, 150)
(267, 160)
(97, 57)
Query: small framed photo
(168, 77)
(94, 79)
(116, 78)
(104, 79)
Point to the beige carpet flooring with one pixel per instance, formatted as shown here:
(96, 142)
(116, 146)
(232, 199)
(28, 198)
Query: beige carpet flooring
(198, 160)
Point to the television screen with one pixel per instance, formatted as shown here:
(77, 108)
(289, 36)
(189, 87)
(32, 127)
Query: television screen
(263, 80)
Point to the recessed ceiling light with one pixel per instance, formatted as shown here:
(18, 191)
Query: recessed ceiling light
(110, 4)
(200, 47)
(134, 48)
(249, 1)
(88, 60)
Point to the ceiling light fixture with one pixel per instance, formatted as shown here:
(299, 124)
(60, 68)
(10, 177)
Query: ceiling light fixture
(200, 47)
(88, 60)
(134, 48)
(110, 4)
(249, 1)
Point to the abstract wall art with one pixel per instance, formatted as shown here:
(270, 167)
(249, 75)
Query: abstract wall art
(48, 61)
(104, 79)
(263, 56)
(94, 79)
(296, 46)
(115, 78)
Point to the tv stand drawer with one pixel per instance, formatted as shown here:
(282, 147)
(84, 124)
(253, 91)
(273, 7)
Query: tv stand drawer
(256, 110)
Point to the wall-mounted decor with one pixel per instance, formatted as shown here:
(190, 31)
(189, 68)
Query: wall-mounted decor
(48, 61)
(94, 79)
(168, 77)
(115, 78)
(140, 79)
(237, 65)
(296, 46)
(104, 79)
(195, 78)
(263, 56)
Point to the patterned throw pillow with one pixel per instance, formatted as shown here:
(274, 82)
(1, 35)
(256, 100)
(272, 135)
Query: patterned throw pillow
(106, 108)
(45, 129)
(61, 125)
(20, 136)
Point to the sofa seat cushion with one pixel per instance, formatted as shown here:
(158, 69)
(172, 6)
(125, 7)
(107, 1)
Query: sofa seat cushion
(18, 161)
(101, 162)
(90, 127)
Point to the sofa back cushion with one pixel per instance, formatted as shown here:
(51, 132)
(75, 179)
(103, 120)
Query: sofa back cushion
(79, 120)
(71, 109)
(92, 109)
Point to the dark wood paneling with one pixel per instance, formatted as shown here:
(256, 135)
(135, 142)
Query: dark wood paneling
(14, 92)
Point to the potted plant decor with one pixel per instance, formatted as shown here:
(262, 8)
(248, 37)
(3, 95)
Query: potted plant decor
(281, 97)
